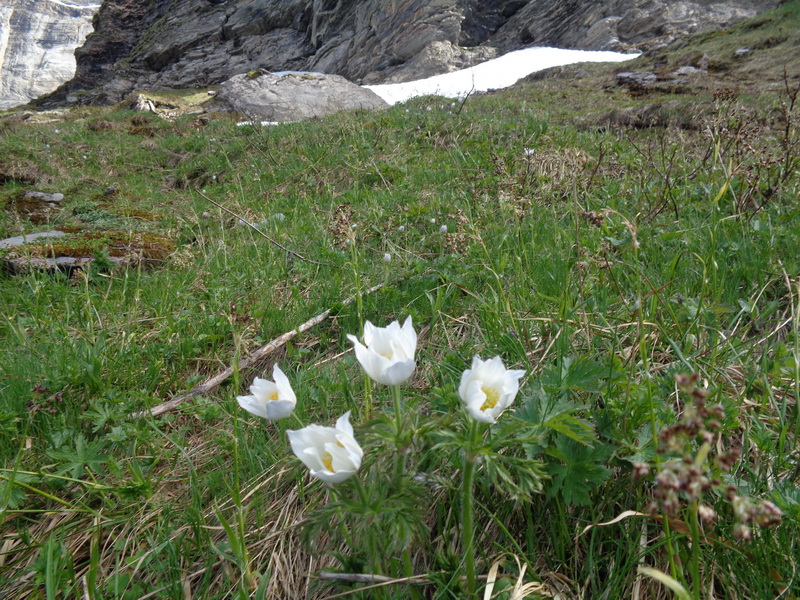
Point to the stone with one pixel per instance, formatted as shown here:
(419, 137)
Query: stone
(14, 242)
(293, 96)
(636, 80)
(44, 196)
(685, 71)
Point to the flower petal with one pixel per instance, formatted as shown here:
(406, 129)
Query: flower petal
(285, 391)
(279, 409)
(253, 405)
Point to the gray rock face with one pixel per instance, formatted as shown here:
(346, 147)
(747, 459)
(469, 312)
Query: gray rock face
(620, 24)
(37, 42)
(141, 44)
(293, 96)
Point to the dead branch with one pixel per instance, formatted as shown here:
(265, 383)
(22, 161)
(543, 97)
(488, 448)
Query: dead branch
(209, 384)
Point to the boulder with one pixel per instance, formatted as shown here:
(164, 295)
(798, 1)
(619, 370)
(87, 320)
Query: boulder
(291, 96)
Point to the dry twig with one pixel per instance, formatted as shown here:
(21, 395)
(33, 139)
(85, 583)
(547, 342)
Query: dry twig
(209, 384)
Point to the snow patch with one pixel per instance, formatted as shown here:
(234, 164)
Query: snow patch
(493, 74)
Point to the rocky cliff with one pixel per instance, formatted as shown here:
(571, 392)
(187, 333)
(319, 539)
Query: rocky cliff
(37, 42)
(185, 43)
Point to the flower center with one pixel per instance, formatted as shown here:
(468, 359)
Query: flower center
(387, 355)
(327, 461)
(492, 397)
(327, 458)
(273, 396)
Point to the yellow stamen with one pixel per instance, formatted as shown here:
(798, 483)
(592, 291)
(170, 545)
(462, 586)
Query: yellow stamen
(327, 461)
(388, 355)
(327, 457)
(273, 396)
(492, 398)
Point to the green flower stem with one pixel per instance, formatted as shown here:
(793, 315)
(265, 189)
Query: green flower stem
(694, 527)
(398, 407)
(398, 415)
(367, 397)
(466, 507)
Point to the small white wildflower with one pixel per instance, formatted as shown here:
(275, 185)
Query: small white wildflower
(56, 131)
(529, 151)
(401, 229)
(279, 217)
(354, 225)
(348, 241)
(387, 258)
(443, 229)
(433, 221)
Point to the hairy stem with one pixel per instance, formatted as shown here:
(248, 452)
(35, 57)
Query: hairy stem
(467, 508)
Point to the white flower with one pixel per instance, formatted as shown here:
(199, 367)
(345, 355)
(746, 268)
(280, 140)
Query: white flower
(443, 229)
(433, 221)
(387, 355)
(387, 258)
(401, 229)
(331, 453)
(270, 400)
(488, 388)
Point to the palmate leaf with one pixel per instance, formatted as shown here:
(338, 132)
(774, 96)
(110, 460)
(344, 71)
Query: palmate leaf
(73, 461)
(557, 414)
(576, 374)
(578, 470)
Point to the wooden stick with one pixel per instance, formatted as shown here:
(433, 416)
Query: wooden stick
(374, 581)
(210, 384)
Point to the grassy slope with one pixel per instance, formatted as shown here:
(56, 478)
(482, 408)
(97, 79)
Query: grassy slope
(693, 268)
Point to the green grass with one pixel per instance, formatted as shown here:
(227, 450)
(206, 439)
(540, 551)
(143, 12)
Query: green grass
(605, 263)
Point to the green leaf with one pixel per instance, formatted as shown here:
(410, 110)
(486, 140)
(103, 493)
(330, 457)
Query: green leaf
(579, 470)
(573, 427)
(557, 414)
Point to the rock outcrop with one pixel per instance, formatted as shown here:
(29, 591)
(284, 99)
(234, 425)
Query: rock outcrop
(37, 43)
(156, 44)
(293, 96)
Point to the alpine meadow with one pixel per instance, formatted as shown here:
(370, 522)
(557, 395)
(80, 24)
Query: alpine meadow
(542, 342)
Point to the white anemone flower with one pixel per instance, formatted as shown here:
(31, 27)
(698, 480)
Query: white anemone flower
(387, 354)
(488, 388)
(331, 454)
(273, 400)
